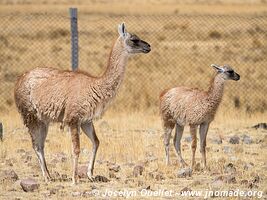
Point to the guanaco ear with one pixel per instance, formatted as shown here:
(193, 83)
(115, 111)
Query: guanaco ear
(217, 67)
(122, 29)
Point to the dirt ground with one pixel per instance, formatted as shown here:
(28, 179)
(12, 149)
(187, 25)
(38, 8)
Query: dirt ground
(131, 155)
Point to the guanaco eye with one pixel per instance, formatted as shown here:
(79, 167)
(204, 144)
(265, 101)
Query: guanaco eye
(231, 72)
(135, 40)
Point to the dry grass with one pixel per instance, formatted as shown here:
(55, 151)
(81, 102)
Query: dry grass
(134, 138)
(184, 44)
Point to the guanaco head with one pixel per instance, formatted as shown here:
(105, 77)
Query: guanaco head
(226, 72)
(131, 42)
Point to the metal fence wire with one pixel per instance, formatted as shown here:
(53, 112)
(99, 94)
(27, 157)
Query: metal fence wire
(183, 48)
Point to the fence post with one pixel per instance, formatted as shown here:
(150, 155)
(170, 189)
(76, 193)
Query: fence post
(74, 39)
(1, 131)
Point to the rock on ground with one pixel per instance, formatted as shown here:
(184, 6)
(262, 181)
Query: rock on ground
(246, 139)
(219, 181)
(248, 166)
(230, 168)
(114, 167)
(103, 179)
(9, 175)
(29, 185)
(185, 172)
(260, 126)
(138, 170)
(244, 182)
(234, 139)
(230, 179)
(76, 194)
(156, 175)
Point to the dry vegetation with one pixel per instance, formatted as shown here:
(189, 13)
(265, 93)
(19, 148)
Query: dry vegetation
(134, 139)
(184, 44)
(185, 40)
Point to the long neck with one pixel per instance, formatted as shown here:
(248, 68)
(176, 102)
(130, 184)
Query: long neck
(114, 73)
(215, 92)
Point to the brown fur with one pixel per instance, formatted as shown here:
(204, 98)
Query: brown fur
(45, 95)
(182, 106)
(191, 106)
(49, 94)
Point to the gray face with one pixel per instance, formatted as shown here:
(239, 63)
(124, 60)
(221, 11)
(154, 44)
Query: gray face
(230, 74)
(227, 72)
(132, 43)
(136, 45)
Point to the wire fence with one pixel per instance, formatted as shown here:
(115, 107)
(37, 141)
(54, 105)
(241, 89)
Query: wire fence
(183, 47)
